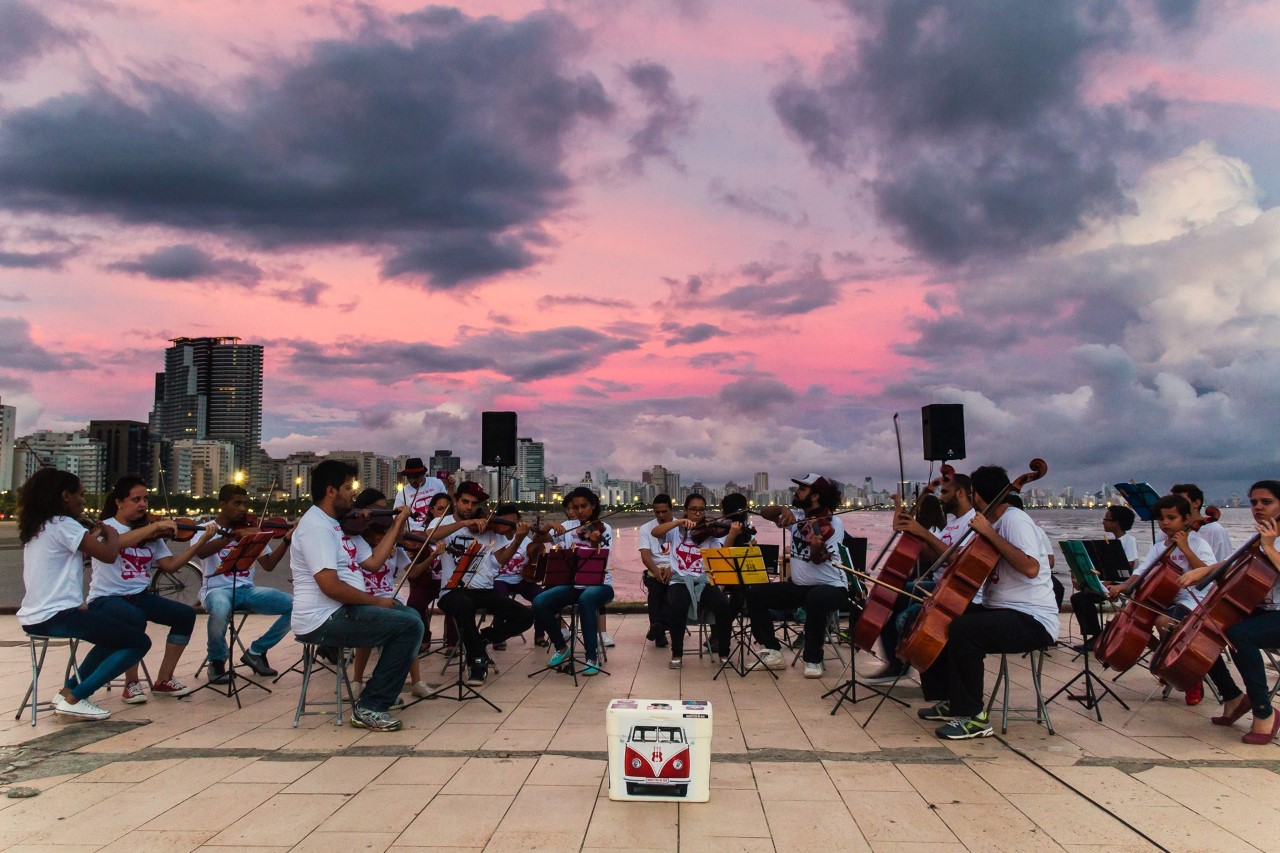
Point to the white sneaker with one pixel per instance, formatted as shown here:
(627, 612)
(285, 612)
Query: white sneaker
(773, 659)
(84, 709)
(134, 693)
(606, 639)
(813, 670)
(420, 689)
(676, 663)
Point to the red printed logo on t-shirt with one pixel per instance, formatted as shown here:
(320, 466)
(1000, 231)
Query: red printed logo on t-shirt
(135, 563)
(688, 558)
(350, 548)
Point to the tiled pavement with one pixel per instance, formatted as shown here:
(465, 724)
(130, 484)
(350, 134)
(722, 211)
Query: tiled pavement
(200, 774)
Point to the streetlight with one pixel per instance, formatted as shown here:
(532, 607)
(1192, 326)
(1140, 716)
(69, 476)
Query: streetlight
(238, 477)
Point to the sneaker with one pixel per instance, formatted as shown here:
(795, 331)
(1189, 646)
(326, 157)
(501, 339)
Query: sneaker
(218, 672)
(543, 642)
(938, 711)
(477, 674)
(1195, 695)
(888, 675)
(134, 693)
(773, 659)
(421, 689)
(590, 668)
(606, 639)
(652, 635)
(813, 670)
(966, 728)
(378, 721)
(559, 657)
(172, 687)
(84, 709)
(258, 663)
(676, 663)
(661, 641)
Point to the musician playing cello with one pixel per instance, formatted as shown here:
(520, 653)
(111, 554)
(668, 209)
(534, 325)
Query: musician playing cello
(1017, 614)
(1260, 630)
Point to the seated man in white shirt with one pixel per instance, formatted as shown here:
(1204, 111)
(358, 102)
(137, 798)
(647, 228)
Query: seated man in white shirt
(331, 607)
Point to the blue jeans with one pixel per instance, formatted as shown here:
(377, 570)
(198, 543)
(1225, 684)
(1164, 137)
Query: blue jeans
(590, 600)
(252, 599)
(143, 607)
(397, 630)
(116, 646)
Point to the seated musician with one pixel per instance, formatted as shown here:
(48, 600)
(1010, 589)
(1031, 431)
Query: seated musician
(1017, 613)
(954, 495)
(582, 532)
(655, 555)
(217, 588)
(1117, 521)
(331, 607)
(511, 580)
(816, 583)
(1210, 530)
(54, 543)
(688, 586)
(380, 562)
(474, 589)
(1189, 552)
(120, 589)
(1257, 631)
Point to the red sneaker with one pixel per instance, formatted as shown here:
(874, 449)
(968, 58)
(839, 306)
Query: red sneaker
(172, 687)
(1195, 695)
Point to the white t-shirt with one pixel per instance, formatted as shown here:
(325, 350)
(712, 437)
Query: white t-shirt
(658, 548)
(1190, 596)
(956, 526)
(1009, 588)
(570, 539)
(419, 500)
(381, 581)
(513, 571)
(131, 572)
(686, 554)
(483, 569)
(52, 570)
(210, 564)
(1130, 546)
(805, 572)
(319, 544)
(1219, 540)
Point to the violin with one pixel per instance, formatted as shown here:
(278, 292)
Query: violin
(359, 520)
(975, 558)
(185, 532)
(1122, 642)
(277, 525)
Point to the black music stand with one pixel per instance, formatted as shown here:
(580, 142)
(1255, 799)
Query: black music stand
(573, 567)
(1141, 498)
(738, 567)
(458, 690)
(240, 558)
(1088, 578)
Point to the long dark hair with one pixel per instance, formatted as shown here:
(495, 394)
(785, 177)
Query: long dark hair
(40, 499)
(929, 512)
(119, 492)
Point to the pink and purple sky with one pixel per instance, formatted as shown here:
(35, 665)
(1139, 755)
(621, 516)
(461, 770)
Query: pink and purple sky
(723, 236)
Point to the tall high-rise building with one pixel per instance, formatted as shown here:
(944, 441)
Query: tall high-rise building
(761, 484)
(211, 389)
(444, 460)
(8, 419)
(530, 468)
(128, 448)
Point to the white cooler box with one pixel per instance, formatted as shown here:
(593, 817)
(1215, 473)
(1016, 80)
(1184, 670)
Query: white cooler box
(659, 749)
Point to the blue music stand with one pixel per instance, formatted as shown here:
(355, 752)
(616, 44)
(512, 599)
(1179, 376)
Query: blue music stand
(1141, 498)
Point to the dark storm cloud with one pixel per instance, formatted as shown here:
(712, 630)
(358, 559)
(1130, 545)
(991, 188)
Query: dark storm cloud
(695, 334)
(669, 116)
(19, 352)
(974, 117)
(435, 139)
(755, 393)
(306, 293)
(25, 34)
(527, 356)
(774, 292)
(33, 260)
(185, 262)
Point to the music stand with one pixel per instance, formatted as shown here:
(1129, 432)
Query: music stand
(1089, 579)
(573, 567)
(239, 559)
(457, 582)
(1141, 498)
(737, 567)
(1109, 559)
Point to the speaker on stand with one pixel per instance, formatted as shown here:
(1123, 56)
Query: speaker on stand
(498, 443)
(943, 428)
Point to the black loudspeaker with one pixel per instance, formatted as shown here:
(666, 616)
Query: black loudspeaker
(943, 425)
(498, 438)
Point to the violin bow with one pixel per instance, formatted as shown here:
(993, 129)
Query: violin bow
(877, 582)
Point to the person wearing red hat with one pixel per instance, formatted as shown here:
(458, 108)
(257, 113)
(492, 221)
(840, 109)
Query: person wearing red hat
(417, 491)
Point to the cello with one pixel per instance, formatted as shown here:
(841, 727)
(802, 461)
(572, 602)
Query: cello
(975, 559)
(1122, 642)
(1243, 580)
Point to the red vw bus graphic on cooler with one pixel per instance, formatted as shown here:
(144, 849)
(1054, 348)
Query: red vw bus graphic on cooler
(657, 761)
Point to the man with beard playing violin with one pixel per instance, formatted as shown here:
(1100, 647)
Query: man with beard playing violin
(816, 583)
(1017, 614)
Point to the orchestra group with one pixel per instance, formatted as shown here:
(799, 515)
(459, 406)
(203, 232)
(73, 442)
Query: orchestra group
(976, 580)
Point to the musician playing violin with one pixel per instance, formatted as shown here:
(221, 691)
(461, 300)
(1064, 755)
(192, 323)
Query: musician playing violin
(475, 589)
(815, 583)
(119, 589)
(1190, 551)
(511, 580)
(1017, 613)
(418, 491)
(1260, 630)
(1209, 529)
(689, 588)
(217, 588)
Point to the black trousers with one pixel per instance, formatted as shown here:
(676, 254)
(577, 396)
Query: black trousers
(711, 600)
(957, 675)
(818, 603)
(510, 617)
(1084, 604)
(656, 603)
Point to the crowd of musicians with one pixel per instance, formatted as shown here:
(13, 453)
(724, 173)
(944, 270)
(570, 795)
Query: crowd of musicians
(349, 554)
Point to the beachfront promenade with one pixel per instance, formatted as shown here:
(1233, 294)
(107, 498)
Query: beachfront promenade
(176, 775)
